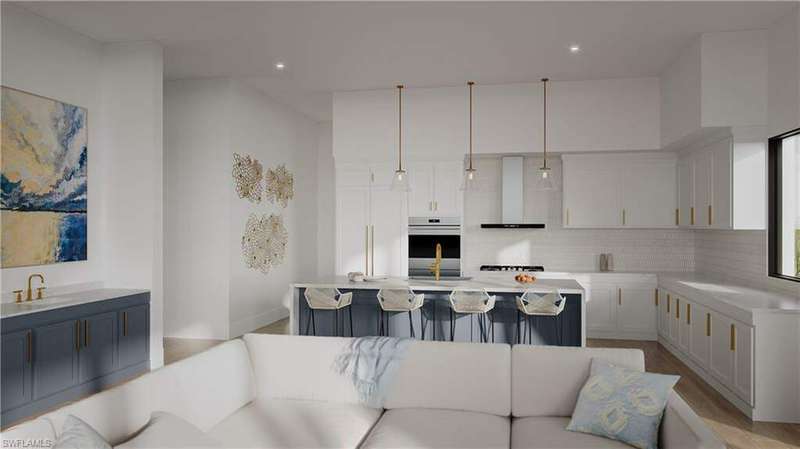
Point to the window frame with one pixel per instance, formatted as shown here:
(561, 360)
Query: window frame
(774, 201)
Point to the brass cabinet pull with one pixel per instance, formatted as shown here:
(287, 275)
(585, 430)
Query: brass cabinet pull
(669, 300)
(691, 215)
(677, 217)
(624, 216)
(567, 217)
(124, 324)
(29, 343)
(78, 335)
(619, 296)
(678, 308)
(709, 215)
(366, 250)
(688, 314)
(733, 337)
(372, 251)
(708, 324)
(86, 333)
(656, 297)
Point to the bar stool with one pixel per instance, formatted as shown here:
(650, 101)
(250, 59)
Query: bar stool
(399, 300)
(472, 302)
(329, 299)
(532, 304)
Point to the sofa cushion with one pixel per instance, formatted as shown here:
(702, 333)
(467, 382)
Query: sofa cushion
(288, 423)
(456, 376)
(550, 433)
(546, 380)
(167, 431)
(432, 428)
(35, 433)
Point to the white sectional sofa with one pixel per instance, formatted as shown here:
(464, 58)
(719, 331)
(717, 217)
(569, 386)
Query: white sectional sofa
(268, 391)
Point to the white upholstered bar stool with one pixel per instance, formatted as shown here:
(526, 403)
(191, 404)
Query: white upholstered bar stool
(472, 302)
(539, 304)
(328, 299)
(393, 300)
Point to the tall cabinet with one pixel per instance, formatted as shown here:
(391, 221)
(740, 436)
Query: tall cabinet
(705, 187)
(371, 221)
(435, 189)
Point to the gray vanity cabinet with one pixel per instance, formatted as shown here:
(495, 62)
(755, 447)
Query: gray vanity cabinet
(133, 332)
(55, 357)
(62, 354)
(16, 369)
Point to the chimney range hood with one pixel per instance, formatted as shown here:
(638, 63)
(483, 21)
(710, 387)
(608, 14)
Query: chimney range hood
(512, 203)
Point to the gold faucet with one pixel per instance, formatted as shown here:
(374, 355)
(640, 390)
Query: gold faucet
(436, 267)
(29, 294)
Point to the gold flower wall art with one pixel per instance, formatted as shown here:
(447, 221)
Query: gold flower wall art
(280, 185)
(264, 242)
(247, 177)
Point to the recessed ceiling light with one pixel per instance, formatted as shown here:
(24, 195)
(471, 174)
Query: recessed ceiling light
(574, 48)
(280, 66)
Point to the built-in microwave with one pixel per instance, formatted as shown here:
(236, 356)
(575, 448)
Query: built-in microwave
(423, 235)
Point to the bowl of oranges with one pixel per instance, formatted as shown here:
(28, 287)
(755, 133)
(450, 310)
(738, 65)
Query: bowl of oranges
(525, 278)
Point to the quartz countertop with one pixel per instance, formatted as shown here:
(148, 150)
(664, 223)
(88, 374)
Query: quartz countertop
(8, 310)
(491, 283)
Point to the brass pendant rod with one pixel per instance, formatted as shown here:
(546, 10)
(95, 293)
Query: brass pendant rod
(470, 84)
(399, 127)
(544, 130)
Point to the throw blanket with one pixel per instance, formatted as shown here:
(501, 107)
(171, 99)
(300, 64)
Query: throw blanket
(371, 363)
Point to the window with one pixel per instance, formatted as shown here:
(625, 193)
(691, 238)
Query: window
(784, 206)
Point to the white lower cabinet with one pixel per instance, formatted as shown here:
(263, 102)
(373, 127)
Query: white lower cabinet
(621, 306)
(699, 333)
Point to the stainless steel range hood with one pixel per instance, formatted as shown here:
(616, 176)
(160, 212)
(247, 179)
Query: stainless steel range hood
(512, 203)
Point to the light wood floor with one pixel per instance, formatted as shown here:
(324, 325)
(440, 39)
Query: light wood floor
(727, 421)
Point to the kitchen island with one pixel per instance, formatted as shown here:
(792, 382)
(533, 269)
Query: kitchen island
(434, 317)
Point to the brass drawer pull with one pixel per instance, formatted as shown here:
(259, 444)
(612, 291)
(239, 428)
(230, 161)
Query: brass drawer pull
(567, 217)
(669, 300)
(624, 217)
(656, 297)
(29, 342)
(677, 308)
(708, 324)
(688, 314)
(78, 335)
(691, 215)
(709, 215)
(124, 324)
(86, 333)
(733, 337)
(677, 217)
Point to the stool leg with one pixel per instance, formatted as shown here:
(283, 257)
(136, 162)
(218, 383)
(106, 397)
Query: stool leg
(308, 322)
(335, 322)
(491, 324)
(313, 323)
(421, 323)
(517, 326)
(452, 325)
(350, 312)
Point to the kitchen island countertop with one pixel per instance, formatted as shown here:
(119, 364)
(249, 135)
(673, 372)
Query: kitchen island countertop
(490, 283)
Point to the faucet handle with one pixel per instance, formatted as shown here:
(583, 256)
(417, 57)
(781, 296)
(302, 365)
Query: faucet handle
(18, 294)
(39, 291)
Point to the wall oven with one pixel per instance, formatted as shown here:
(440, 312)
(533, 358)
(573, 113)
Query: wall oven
(423, 235)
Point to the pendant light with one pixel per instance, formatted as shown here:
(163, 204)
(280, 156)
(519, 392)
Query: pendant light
(470, 182)
(400, 179)
(545, 182)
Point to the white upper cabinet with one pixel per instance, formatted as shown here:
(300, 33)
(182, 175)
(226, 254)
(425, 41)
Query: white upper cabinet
(435, 189)
(699, 216)
(619, 191)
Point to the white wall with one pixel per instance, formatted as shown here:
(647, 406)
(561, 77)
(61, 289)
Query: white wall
(326, 202)
(196, 216)
(210, 291)
(121, 86)
(554, 247)
(583, 116)
(784, 74)
(680, 95)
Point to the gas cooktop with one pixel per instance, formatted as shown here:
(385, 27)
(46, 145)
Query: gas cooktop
(512, 268)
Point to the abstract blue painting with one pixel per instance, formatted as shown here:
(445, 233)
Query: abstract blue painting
(43, 180)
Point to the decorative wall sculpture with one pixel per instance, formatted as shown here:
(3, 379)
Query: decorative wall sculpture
(247, 177)
(280, 185)
(43, 178)
(264, 242)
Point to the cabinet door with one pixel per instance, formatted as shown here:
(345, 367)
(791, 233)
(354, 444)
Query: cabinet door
(702, 188)
(721, 169)
(98, 353)
(388, 233)
(591, 197)
(700, 335)
(683, 309)
(420, 198)
(17, 359)
(134, 335)
(55, 357)
(685, 191)
(601, 311)
(352, 229)
(648, 194)
(446, 188)
(662, 313)
(637, 311)
(743, 361)
(722, 348)
(672, 320)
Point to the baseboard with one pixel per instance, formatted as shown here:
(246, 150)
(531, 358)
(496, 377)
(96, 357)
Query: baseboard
(621, 335)
(251, 323)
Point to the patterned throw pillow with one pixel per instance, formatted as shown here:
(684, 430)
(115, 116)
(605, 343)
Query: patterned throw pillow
(622, 404)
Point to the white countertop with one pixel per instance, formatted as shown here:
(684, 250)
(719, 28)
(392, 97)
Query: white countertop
(492, 283)
(12, 309)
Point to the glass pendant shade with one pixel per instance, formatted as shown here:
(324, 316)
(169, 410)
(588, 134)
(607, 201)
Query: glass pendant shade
(470, 181)
(545, 181)
(400, 181)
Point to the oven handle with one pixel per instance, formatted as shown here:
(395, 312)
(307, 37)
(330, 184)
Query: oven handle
(434, 231)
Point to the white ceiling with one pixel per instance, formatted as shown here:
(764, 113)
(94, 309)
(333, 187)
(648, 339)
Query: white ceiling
(333, 46)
